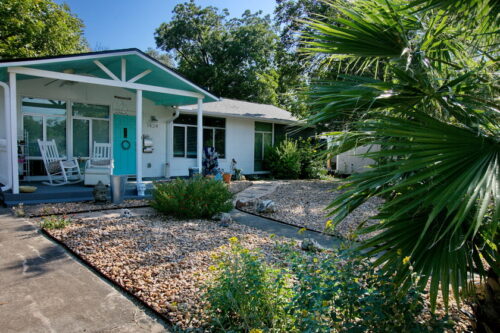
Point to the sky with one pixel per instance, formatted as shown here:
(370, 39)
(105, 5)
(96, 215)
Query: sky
(119, 24)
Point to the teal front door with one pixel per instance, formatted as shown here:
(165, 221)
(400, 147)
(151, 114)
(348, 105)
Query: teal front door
(124, 145)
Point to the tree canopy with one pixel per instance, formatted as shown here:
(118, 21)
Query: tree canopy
(231, 57)
(32, 28)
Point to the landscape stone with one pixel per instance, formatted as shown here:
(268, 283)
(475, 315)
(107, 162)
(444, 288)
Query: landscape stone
(266, 206)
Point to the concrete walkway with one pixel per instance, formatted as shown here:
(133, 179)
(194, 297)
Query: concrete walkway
(284, 230)
(262, 188)
(43, 289)
(258, 189)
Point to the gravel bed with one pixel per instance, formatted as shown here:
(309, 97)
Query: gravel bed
(303, 203)
(78, 207)
(160, 260)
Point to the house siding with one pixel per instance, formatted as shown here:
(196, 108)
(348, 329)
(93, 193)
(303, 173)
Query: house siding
(240, 132)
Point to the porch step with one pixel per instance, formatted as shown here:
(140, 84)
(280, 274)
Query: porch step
(66, 193)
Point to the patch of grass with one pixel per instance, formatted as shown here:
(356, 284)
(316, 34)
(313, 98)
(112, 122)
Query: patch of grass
(55, 222)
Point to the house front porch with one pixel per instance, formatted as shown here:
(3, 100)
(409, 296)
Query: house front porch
(69, 193)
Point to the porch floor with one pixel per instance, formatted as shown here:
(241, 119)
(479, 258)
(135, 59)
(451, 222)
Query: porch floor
(67, 193)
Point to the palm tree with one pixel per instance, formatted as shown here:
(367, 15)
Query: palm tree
(435, 118)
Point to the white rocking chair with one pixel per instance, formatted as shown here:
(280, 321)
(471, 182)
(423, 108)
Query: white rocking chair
(60, 171)
(100, 165)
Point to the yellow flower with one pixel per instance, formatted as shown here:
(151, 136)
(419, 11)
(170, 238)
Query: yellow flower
(315, 260)
(406, 260)
(329, 224)
(233, 240)
(212, 268)
(301, 231)
(256, 330)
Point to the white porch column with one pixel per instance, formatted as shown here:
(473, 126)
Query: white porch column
(199, 135)
(13, 132)
(138, 134)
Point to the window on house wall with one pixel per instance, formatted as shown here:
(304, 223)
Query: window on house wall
(90, 124)
(263, 139)
(185, 135)
(43, 119)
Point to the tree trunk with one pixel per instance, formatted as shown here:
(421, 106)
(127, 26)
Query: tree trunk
(487, 305)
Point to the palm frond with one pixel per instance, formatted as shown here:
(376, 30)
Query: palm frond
(442, 184)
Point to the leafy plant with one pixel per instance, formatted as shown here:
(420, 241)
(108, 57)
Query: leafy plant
(311, 163)
(283, 160)
(192, 198)
(341, 291)
(326, 292)
(436, 117)
(55, 222)
(246, 293)
(293, 159)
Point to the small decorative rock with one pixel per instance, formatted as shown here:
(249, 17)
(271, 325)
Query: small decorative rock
(126, 213)
(266, 206)
(225, 220)
(100, 193)
(19, 210)
(243, 203)
(310, 245)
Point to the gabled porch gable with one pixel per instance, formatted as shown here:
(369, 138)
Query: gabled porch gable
(129, 69)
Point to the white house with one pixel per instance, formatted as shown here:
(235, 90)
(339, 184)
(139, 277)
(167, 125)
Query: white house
(118, 97)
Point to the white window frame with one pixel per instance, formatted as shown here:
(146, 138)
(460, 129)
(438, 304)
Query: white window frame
(263, 143)
(91, 139)
(185, 126)
(213, 128)
(185, 138)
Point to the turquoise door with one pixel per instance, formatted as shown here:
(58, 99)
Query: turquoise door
(124, 145)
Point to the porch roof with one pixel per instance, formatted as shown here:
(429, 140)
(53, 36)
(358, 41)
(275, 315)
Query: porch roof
(136, 63)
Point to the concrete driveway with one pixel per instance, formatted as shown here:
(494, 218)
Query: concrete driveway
(44, 289)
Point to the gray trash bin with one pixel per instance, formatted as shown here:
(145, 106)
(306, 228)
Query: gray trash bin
(193, 172)
(118, 188)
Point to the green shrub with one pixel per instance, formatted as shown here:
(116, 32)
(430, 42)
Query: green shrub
(325, 292)
(283, 160)
(192, 198)
(246, 293)
(311, 164)
(55, 222)
(294, 159)
(339, 292)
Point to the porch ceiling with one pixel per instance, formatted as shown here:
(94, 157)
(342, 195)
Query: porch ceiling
(136, 63)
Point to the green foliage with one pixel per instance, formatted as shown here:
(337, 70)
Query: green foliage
(343, 292)
(293, 159)
(311, 161)
(246, 293)
(55, 222)
(164, 58)
(434, 115)
(34, 28)
(283, 160)
(192, 198)
(327, 292)
(232, 58)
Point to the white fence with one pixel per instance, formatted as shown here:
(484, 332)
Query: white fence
(351, 162)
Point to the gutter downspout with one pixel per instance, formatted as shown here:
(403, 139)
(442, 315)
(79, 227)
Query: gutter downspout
(6, 90)
(170, 120)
